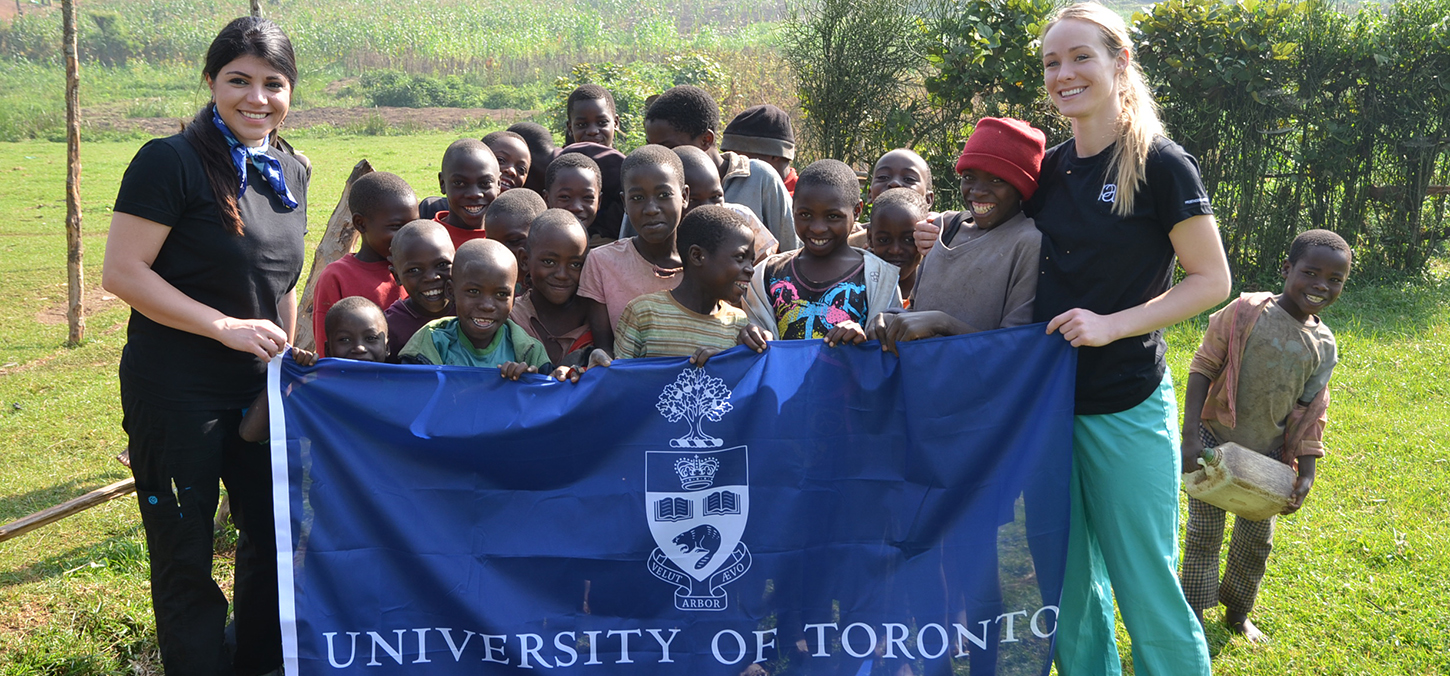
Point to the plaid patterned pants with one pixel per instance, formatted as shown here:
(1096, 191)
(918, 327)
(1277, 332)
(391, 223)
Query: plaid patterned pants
(1248, 554)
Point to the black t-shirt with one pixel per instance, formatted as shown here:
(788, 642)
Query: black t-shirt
(430, 207)
(240, 276)
(1096, 260)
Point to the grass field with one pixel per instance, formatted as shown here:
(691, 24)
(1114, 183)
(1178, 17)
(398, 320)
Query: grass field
(1358, 583)
(145, 61)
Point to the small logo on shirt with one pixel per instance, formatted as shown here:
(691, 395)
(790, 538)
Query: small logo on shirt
(1109, 193)
(1201, 200)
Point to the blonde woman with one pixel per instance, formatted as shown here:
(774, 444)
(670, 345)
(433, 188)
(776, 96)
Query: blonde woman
(1116, 205)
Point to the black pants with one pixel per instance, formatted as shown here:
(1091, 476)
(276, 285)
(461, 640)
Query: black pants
(177, 458)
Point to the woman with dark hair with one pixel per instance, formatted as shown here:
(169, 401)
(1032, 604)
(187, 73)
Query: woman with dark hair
(206, 246)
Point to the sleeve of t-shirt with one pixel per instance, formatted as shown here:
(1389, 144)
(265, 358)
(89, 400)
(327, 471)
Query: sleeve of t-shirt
(1212, 352)
(1329, 356)
(629, 334)
(591, 280)
(1176, 186)
(154, 186)
(326, 294)
(1047, 173)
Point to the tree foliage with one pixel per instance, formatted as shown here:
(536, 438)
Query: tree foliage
(1304, 116)
(1301, 114)
(854, 60)
(982, 61)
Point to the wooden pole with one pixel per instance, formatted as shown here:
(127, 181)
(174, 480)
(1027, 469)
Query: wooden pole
(75, 276)
(337, 241)
(256, 7)
(69, 507)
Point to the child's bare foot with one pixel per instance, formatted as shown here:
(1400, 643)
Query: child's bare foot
(1240, 624)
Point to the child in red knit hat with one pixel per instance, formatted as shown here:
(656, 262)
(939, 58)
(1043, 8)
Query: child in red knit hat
(982, 272)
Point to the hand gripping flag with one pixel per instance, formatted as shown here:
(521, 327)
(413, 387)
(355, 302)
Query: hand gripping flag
(810, 510)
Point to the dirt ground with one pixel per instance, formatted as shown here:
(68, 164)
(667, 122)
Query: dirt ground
(113, 117)
(94, 300)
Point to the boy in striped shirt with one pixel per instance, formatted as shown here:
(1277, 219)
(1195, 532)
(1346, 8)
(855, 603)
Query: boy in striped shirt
(700, 316)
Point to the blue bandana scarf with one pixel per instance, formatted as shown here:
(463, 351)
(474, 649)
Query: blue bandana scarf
(268, 165)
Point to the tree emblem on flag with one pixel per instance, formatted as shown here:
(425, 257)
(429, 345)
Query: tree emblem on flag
(695, 397)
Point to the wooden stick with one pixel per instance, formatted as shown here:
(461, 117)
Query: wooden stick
(74, 314)
(337, 241)
(68, 508)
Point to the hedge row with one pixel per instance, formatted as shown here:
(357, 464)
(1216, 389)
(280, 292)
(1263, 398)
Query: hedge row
(1302, 114)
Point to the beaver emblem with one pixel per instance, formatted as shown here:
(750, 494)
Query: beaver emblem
(700, 539)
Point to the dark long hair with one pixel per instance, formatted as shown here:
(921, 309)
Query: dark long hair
(246, 36)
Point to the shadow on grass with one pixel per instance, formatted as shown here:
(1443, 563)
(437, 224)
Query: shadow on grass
(21, 505)
(122, 552)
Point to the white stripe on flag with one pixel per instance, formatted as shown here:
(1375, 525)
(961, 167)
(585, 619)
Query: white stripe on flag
(281, 515)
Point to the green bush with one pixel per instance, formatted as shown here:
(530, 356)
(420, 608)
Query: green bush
(399, 89)
(106, 39)
(1223, 74)
(854, 61)
(982, 61)
(694, 68)
(1303, 116)
(527, 97)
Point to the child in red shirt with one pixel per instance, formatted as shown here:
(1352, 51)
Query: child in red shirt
(381, 204)
(469, 179)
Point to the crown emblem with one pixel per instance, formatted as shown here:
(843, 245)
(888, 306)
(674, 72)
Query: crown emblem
(696, 473)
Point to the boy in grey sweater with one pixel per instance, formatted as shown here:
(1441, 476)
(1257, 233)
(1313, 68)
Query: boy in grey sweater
(982, 272)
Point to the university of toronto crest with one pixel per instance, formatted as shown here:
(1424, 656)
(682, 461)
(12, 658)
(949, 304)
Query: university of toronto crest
(697, 498)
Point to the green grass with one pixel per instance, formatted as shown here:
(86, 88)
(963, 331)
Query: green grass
(512, 49)
(1357, 585)
(492, 35)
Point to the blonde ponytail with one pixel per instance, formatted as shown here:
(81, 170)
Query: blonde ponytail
(1138, 122)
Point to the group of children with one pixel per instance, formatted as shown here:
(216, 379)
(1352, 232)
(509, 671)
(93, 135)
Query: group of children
(718, 248)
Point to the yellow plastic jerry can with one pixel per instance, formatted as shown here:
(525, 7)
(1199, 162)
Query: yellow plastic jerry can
(1249, 484)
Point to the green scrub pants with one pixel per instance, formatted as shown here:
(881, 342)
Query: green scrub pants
(1124, 540)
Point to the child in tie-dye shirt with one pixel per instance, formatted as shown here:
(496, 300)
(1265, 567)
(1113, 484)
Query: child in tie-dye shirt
(827, 289)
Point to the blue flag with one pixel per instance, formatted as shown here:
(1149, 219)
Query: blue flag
(809, 510)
